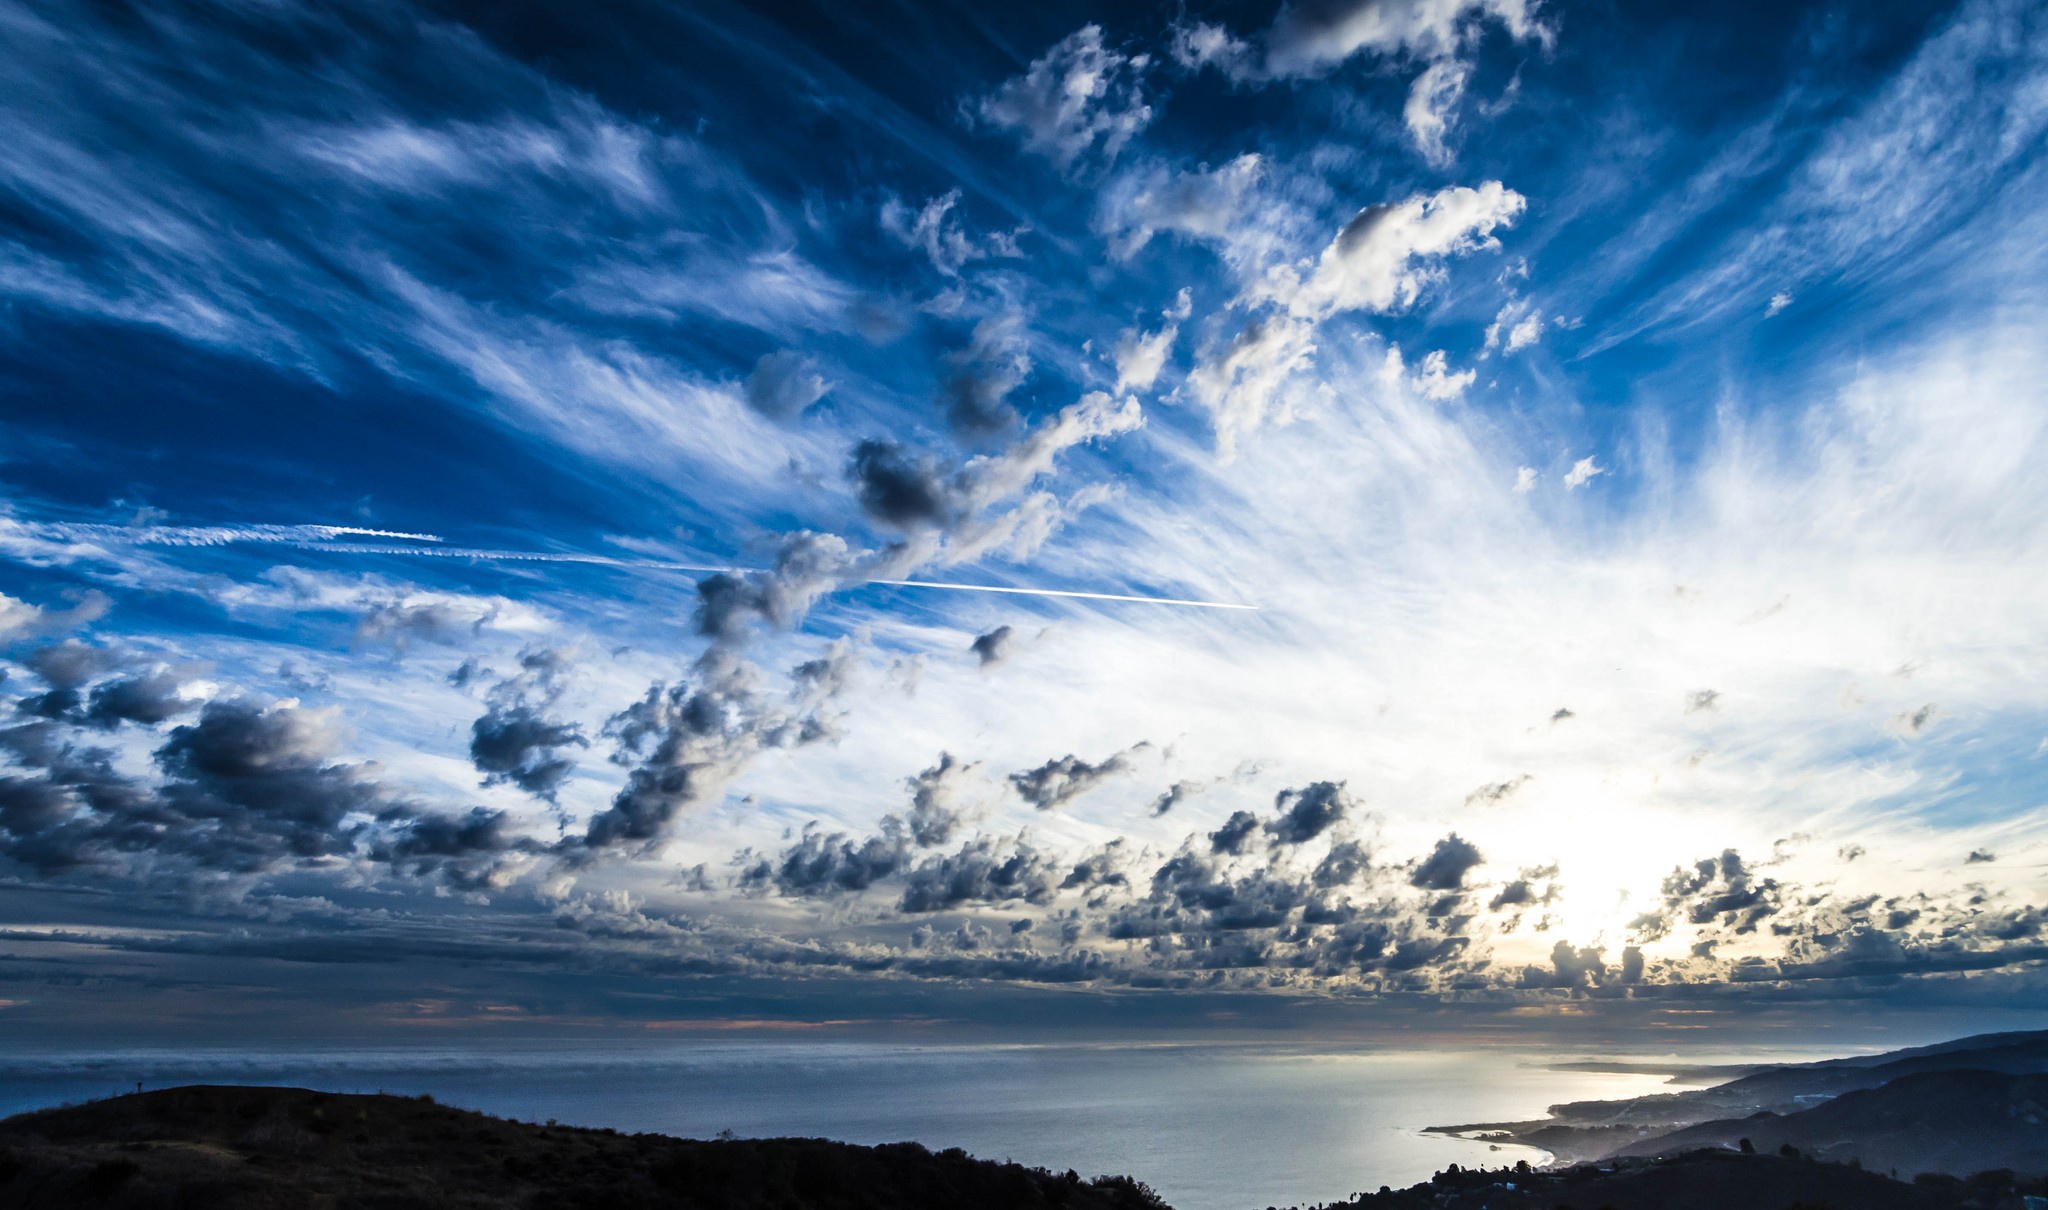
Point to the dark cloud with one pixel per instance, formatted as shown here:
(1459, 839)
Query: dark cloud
(993, 647)
(985, 870)
(807, 566)
(820, 864)
(685, 742)
(783, 385)
(1344, 864)
(974, 395)
(1446, 866)
(515, 741)
(1720, 891)
(1063, 779)
(1702, 699)
(1176, 794)
(1235, 833)
(248, 788)
(1561, 714)
(1495, 793)
(147, 699)
(1308, 812)
(1980, 857)
(935, 795)
(1919, 720)
(899, 489)
(71, 664)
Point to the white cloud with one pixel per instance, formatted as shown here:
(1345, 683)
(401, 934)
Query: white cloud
(1308, 39)
(1077, 95)
(1582, 473)
(1517, 326)
(1222, 206)
(1381, 261)
(1525, 480)
(1433, 378)
(1431, 100)
(1779, 302)
(1141, 355)
(943, 240)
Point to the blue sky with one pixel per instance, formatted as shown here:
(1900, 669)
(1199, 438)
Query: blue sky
(460, 466)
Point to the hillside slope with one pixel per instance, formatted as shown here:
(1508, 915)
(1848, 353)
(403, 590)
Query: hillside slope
(231, 1148)
(1944, 1121)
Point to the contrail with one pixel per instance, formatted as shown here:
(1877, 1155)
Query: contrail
(322, 538)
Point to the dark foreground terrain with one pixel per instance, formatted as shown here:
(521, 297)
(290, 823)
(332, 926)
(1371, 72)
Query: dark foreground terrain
(221, 1148)
(1706, 1180)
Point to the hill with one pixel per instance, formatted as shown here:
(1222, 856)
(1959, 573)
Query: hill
(1582, 1130)
(1700, 1180)
(1943, 1121)
(230, 1148)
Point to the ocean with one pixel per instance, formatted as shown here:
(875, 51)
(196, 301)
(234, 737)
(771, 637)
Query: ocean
(1210, 1127)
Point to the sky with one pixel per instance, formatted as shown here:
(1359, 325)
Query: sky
(1338, 517)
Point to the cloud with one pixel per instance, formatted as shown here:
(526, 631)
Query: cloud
(1517, 326)
(515, 741)
(1447, 864)
(1079, 97)
(1235, 834)
(1140, 355)
(1495, 793)
(683, 743)
(993, 647)
(1381, 261)
(1309, 37)
(943, 240)
(935, 800)
(1525, 480)
(1307, 813)
(783, 384)
(1779, 302)
(1176, 794)
(1431, 100)
(995, 362)
(1583, 472)
(1063, 779)
(1225, 207)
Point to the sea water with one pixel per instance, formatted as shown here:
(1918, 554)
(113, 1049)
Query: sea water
(1209, 1127)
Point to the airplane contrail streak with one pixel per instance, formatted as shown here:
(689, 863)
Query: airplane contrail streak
(320, 538)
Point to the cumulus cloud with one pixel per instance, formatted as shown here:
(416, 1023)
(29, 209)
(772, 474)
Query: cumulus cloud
(1079, 97)
(1517, 326)
(995, 362)
(936, 800)
(1309, 37)
(995, 646)
(515, 741)
(683, 743)
(1307, 813)
(1235, 834)
(783, 384)
(962, 505)
(1447, 864)
(1140, 355)
(1583, 472)
(1065, 778)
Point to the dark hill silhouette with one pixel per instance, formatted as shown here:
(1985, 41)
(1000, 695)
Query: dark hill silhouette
(1700, 1180)
(1942, 1121)
(230, 1148)
(1581, 1130)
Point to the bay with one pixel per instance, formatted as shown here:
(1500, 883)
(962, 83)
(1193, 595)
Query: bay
(1209, 1127)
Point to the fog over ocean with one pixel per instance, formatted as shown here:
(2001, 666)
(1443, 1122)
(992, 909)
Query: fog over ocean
(1209, 1127)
